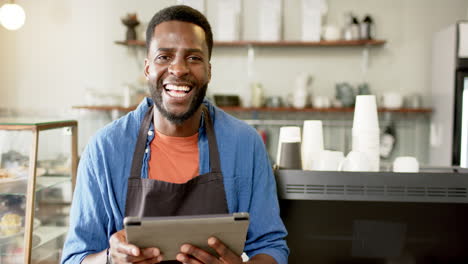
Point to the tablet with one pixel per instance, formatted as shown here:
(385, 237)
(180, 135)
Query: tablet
(169, 233)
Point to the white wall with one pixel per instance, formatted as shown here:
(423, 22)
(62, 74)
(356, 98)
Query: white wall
(68, 45)
(65, 46)
(402, 64)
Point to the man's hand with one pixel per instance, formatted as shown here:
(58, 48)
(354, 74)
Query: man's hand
(122, 253)
(193, 255)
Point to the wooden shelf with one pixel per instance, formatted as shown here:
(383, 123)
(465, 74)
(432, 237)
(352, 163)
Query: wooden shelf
(324, 110)
(140, 43)
(284, 43)
(267, 109)
(287, 43)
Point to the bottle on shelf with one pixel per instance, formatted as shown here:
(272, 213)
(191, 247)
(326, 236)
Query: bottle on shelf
(257, 95)
(388, 140)
(367, 28)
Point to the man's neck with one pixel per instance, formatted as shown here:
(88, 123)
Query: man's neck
(188, 128)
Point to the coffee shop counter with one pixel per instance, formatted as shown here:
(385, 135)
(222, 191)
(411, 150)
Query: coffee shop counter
(431, 185)
(375, 217)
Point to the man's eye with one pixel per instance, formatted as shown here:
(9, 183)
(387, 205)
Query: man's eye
(194, 58)
(162, 58)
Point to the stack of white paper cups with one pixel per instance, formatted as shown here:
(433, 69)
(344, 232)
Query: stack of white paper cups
(289, 136)
(366, 131)
(312, 143)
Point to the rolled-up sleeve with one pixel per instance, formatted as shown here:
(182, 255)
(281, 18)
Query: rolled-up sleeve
(266, 231)
(88, 221)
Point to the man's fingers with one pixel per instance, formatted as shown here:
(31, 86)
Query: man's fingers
(193, 255)
(147, 255)
(150, 252)
(223, 251)
(186, 259)
(150, 261)
(118, 257)
(197, 253)
(123, 252)
(118, 243)
(128, 249)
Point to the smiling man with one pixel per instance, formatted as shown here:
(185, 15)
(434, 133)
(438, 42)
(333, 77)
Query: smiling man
(176, 154)
(178, 70)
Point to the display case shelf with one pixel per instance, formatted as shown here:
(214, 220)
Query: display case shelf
(49, 233)
(42, 236)
(43, 182)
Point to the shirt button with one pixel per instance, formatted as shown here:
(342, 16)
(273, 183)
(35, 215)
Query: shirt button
(150, 133)
(146, 150)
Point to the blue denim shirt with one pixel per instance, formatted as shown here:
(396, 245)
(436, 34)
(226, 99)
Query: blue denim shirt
(98, 206)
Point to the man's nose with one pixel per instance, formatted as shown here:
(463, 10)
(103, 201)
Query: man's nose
(178, 67)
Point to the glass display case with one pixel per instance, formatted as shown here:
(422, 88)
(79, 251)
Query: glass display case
(38, 161)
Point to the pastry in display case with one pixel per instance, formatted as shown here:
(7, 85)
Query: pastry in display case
(38, 161)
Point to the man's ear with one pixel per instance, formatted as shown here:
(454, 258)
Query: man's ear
(146, 69)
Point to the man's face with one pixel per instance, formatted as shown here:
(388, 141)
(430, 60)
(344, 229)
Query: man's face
(178, 70)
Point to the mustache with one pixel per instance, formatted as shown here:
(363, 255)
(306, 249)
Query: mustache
(186, 80)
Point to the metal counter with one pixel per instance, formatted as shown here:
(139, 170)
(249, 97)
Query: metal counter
(430, 186)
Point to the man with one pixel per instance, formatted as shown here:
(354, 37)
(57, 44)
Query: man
(148, 162)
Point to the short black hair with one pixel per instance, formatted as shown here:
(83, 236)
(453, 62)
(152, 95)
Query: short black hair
(180, 13)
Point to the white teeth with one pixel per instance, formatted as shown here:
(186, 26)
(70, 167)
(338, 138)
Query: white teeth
(177, 88)
(176, 94)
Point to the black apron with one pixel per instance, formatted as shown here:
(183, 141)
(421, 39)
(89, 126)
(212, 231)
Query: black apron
(203, 194)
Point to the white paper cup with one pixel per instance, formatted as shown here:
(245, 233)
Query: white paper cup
(312, 142)
(365, 139)
(365, 113)
(290, 134)
(355, 161)
(368, 142)
(287, 134)
(405, 164)
(328, 161)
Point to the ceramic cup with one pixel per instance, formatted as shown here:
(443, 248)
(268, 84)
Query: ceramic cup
(321, 101)
(413, 101)
(331, 33)
(392, 100)
(345, 93)
(363, 89)
(274, 101)
(405, 164)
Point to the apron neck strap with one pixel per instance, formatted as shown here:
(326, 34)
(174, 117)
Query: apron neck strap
(215, 164)
(140, 146)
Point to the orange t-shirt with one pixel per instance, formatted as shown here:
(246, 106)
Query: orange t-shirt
(173, 159)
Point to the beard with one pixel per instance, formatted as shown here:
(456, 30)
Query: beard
(156, 90)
